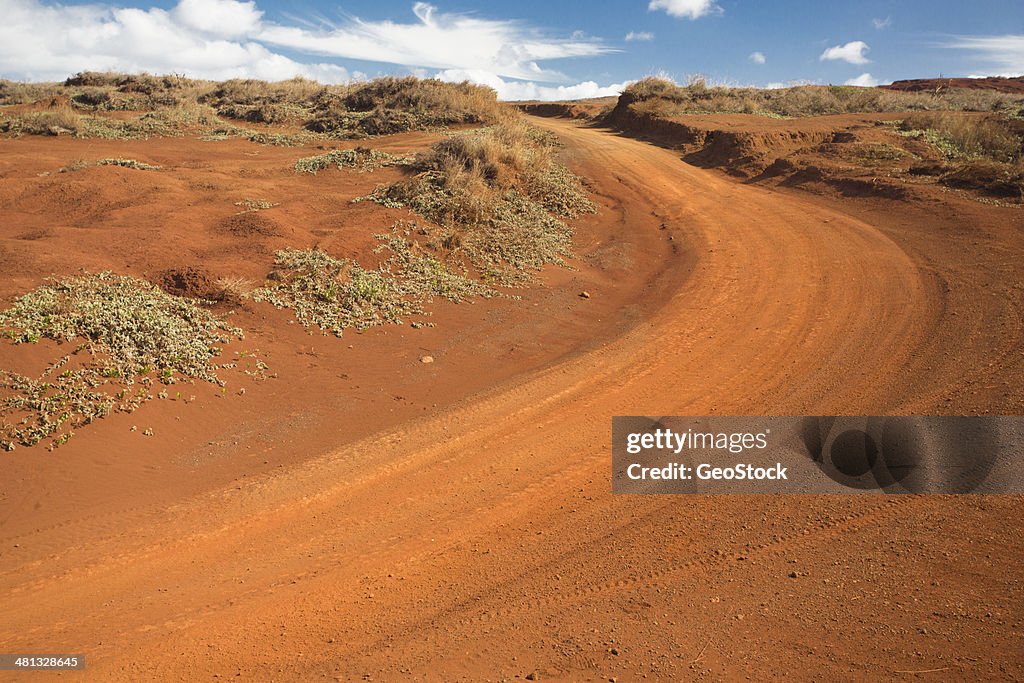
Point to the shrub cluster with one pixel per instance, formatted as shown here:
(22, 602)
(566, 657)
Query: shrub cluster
(499, 198)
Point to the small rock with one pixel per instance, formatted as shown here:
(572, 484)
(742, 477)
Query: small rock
(584, 294)
(793, 575)
(427, 359)
(534, 676)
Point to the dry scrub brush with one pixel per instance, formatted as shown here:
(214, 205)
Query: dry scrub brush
(660, 97)
(174, 105)
(982, 152)
(499, 198)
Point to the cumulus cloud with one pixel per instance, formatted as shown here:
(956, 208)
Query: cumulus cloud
(882, 24)
(219, 17)
(757, 57)
(221, 39)
(865, 80)
(686, 9)
(639, 35)
(1001, 55)
(187, 39)
(853, 52)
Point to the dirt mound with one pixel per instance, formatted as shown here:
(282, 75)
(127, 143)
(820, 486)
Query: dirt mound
(576, 109)
(250, 224)
(190, 282)
(849, 155)
(1014, 85)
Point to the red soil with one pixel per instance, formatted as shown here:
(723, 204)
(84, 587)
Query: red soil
(1013, 85)
(368, 516)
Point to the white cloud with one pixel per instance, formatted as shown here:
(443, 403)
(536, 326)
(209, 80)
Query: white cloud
(865, 80)
(757, 57)
(639, 35)
(219, 17)
(220, 39)
(882, 24)
(529, 90)
(1002, 55)
(852, 52)
(686, 9)
(183, 40)
(443, 41)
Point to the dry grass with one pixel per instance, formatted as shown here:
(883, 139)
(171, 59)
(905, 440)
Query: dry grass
(392, 105)
(983, 152)
(262, 102)
(380, 107)
(61, 121)
(660, 97)
(964, 135)
(978, 132)
(493, 192)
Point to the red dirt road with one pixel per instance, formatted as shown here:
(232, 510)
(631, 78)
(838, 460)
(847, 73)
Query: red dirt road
(481, 542)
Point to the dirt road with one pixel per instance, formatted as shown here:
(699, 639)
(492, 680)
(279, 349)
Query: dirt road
(482, 542)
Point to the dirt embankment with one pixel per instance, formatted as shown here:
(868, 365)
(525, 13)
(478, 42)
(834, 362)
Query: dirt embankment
(574, 109)
(864, 154)
(1014, 85)
(793, 151)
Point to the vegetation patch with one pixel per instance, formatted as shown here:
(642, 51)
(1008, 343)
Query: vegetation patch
(252, 205)
(128, 335)
(499, 199)
(123, 163)
(663, 98)
(981, 153)
(385, 106)
(177, 105)
(334, 294)
(959, 135)
(225, 131)
(361, 158)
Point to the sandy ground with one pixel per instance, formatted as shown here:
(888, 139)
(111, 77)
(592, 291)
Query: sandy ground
(471, 535)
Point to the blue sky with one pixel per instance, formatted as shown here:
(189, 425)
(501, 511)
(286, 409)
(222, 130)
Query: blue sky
(531, 48)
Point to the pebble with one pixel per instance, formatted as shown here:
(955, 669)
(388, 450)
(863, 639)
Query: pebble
(427, 359)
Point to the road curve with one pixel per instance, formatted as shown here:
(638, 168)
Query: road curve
(484, 543)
